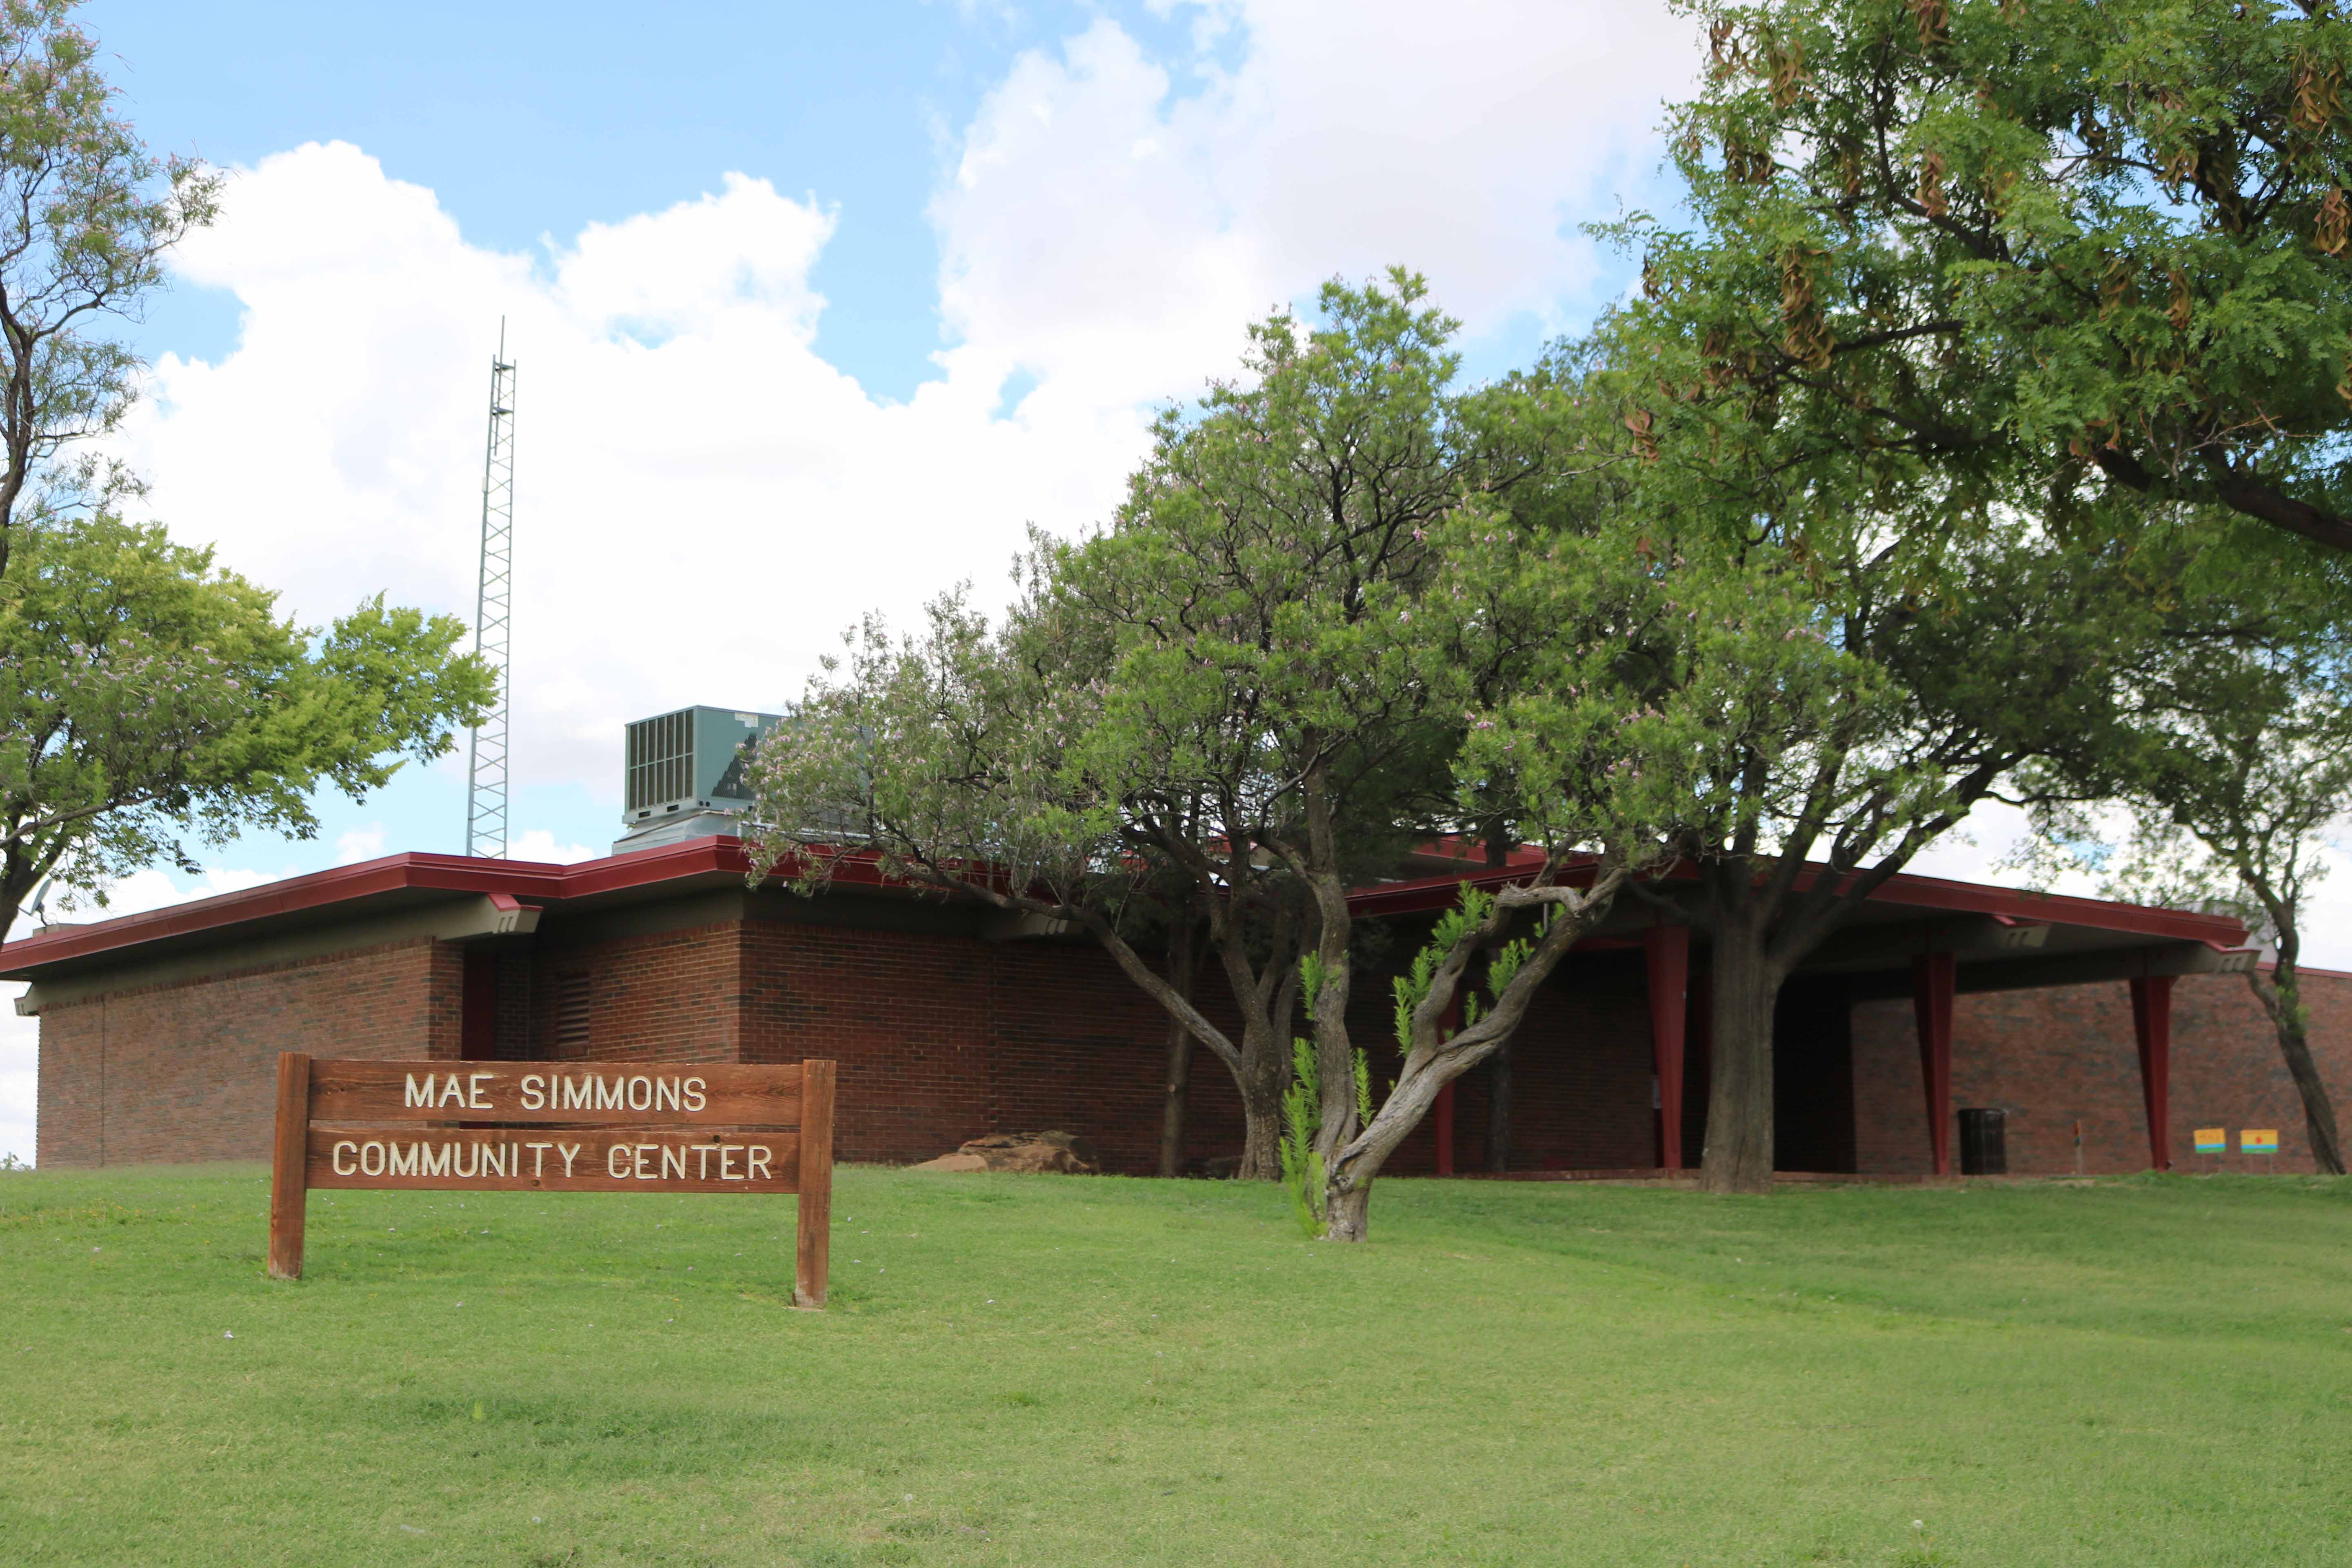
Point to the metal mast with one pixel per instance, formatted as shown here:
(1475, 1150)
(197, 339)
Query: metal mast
(486, 763)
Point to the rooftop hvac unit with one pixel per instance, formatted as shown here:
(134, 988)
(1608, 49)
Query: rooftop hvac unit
(689, 761)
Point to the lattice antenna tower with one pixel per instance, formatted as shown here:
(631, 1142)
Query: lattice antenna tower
(486, 762)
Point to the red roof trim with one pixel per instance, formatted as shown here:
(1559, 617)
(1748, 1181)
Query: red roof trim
(452, 873)
(537, 881)
(1430, 893)
(543, 883)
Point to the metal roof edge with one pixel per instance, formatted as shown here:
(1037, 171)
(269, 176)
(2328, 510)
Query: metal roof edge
(541, 883)
(292, 895)
(550, 884)
(2025, 907)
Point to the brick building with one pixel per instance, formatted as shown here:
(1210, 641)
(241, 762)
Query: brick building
(159, 1032)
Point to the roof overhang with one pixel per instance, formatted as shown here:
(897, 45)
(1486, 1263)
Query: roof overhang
(433, 893)
(2002, 937)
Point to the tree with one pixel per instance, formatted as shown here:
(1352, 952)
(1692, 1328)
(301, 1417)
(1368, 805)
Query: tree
(151, 700)
(1224, 693)
(1278, 716)
(87, 215)
(942, 760)
(1589, 747)
(1851, 362)
(2242, 764)
(1971, 639)
(2109, 240)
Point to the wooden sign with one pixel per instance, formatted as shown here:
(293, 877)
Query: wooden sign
(555, 1127)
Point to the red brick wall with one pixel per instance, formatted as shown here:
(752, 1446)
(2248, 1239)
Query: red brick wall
(517, 1005)
(1076, 1044)
(188, 1071)
(2049, 1058)
(674, 996)
(905, 1015)
(943, 1037)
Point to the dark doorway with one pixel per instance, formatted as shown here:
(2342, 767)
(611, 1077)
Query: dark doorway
(1698, 1062)
(1813, 1076)
(478, 1013)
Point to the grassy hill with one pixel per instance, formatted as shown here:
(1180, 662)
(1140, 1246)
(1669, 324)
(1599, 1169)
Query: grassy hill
(1072, 1370)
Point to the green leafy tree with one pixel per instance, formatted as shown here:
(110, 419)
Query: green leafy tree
(943, 758)
(86, 216)
(1278, 716)
(1972, 638)
(2107, 242)
(1855, 365)
(151, 701)
(1226, 695)
(1591, 748)
(2241, 766)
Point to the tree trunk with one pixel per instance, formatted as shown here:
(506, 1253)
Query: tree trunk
(1440, 1054)
(2284, 1006)
(1261, 1137)
(1180, 1055)
(1266, 1074)
(2318, 1114)
(1499, 1110)
(1739, 1157)
(1180, 1091)
(1348, 1212)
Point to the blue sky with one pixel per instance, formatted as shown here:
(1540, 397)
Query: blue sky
(817, 308)
(527, 123)
(532, 120)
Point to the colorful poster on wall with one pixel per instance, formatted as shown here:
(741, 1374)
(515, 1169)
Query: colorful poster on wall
(2258, 1141)
(2213, 1139)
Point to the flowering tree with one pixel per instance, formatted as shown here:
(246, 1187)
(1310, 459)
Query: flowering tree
(151, 701)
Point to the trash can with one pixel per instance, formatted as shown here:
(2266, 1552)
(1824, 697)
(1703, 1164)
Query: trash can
(1984, 1142)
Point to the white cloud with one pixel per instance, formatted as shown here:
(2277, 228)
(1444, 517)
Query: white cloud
(539, 844)
(1105, 233)
(153, 889)
(702, 500)
(359, 844)
(1973, 854)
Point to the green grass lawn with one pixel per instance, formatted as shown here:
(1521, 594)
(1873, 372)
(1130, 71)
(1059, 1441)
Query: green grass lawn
(1069, 1371)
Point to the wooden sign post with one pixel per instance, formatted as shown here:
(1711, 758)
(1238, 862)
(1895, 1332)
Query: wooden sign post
(555, 1127)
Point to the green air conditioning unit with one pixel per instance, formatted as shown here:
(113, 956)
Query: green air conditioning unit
(689, 761)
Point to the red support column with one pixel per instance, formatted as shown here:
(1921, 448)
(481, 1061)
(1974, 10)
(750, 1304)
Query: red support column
(1442, 1112)
(1666, 950)
(2151, 997)
(1931, 1004)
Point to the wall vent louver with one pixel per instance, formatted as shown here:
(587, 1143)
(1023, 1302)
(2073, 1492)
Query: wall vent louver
(576, 1012)
(661, 759)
